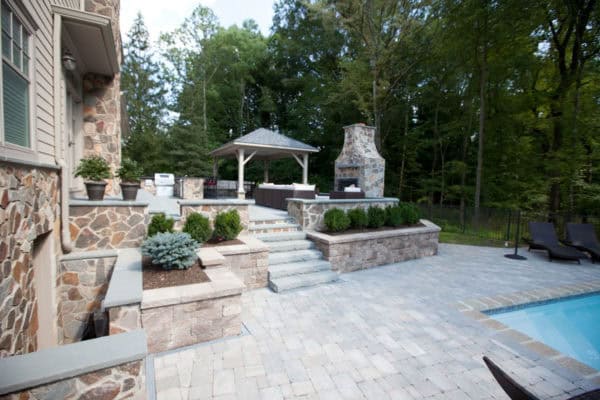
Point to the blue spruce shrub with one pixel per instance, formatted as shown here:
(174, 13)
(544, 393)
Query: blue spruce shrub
(171, 250)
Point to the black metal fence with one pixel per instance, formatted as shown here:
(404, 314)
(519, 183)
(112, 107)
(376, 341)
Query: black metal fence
(496, 224)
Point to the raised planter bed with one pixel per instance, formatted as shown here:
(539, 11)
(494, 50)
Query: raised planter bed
(354, 251)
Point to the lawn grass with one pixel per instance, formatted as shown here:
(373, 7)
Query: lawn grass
(460, 238)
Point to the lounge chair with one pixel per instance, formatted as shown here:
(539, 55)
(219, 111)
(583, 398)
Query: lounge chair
(543, 237)
(518, 392)
(583, 237)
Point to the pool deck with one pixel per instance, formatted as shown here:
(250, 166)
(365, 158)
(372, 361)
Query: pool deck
(403, 331)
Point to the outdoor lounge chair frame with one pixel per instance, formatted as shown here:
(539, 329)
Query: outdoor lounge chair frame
(517, 392)
(543, 237)
(583, 238)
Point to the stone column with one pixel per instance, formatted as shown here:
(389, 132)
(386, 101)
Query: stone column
(102, 102)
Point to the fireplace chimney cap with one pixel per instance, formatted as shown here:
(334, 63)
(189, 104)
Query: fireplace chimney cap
(361, 124)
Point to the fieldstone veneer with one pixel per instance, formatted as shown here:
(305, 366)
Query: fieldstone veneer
(352, 252)
(28, 209)
(108, 224)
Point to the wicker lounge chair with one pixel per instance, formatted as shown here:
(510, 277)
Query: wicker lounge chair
(583, 237)
(543, 237)
(518, 392)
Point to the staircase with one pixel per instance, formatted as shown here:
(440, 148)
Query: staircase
(294, 262)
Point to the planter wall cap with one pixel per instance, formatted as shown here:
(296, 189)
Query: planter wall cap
(125, 286)
(210, 257)
(345, 201)
(88, 255)
(429, 227)
(107, 203)
(51, 365)
(214, 202)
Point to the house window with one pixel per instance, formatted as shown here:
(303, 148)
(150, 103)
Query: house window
(15, 79)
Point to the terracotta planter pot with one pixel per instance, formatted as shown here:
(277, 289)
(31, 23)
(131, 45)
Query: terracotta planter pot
(129, 190)
(95, 190)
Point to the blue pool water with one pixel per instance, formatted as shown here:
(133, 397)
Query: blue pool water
(571, 326)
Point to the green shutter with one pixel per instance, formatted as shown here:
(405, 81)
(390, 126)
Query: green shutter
(16, 107)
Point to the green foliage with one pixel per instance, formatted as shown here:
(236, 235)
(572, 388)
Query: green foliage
(410, 213)
(198, 226)
(358, 218)
(376, 217)
(394, 216)
(336, 220)
(93, 168)
(129, 171)
(227, 225)
(171, 250)
(160, 223)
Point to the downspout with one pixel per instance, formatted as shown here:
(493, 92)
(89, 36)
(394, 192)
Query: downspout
(59, 153)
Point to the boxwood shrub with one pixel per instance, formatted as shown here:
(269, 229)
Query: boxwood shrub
(227, 225)
(376, 217)
(410, 213)
(171, 250)
(159, 224)
(198, 226)
(394, 216)
(358, 218)
(336, 220)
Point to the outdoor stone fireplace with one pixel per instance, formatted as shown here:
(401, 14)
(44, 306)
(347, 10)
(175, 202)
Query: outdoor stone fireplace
(360, 162)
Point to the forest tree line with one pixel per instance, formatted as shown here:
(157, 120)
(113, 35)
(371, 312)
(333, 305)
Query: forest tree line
(476, 102)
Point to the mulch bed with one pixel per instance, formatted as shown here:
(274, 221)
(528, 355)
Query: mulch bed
(367, 230)
(215, 242)
(155, 277)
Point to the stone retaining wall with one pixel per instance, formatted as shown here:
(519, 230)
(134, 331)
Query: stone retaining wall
(28, 209)
(210, 209)
(309, 213)
(352, 252)
(82, 284)
(107, 225)
(120, 382)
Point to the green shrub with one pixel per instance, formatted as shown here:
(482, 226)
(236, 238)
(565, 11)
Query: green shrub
(198, 226)
(336, 220)
(227, 225)
(159, 224)
(129, 171)
(93, 168)
(410, 213)
(394, 216)
(171, 250)
(358, 218)
(376, 217)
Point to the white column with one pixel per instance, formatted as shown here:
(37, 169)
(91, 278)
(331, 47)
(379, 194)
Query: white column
(241, 193)
(266, 171)
(215, 167)
(305, 168)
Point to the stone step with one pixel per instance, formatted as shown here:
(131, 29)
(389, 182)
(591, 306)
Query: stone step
(294, 256)
(289, 220)
(298, 268)
(282, 236)
(303, 280)
(290, 245)
(273, 228)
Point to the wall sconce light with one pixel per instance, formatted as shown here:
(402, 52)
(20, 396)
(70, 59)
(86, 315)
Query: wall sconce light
(69, 61)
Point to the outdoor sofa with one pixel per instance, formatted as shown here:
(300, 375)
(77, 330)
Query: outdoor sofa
(274, 196)
(543, 237)
(583, 237)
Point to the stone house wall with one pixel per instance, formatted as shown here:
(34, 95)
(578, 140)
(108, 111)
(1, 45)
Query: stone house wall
(81, 287)
(123, 381)
(353, 252)
(28, 209)
(109, 226)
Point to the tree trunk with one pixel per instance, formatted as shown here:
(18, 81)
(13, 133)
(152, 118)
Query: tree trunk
(403, 162)
(482, 118)
(242, 93)
(204, 123)
(435, 153)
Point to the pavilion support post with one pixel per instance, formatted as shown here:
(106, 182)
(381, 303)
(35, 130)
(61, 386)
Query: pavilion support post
(215, 172)
(241, 164)
(305, 168)
(266, 171)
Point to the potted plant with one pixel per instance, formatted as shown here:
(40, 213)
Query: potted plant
(129, 173)
(94, 170)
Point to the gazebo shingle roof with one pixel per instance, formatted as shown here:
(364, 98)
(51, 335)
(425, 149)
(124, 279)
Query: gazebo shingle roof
(266, 138)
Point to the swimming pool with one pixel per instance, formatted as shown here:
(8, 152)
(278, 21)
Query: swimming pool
(571, 326)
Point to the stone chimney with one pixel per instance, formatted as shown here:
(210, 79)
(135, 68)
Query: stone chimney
(360, 162)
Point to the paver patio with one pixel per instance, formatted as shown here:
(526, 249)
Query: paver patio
(391, 332)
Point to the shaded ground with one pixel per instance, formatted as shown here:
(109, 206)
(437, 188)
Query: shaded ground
(391, 332)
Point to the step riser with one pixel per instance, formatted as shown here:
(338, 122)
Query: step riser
(269, 231)
(285, 247)
(301, 268)
(302, 281)
(272, 222)
(283, 237)
(274, 259)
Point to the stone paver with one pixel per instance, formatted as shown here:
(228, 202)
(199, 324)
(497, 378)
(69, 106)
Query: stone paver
(393, 332)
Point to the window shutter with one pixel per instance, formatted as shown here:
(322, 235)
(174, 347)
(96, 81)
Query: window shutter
(16, 107)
